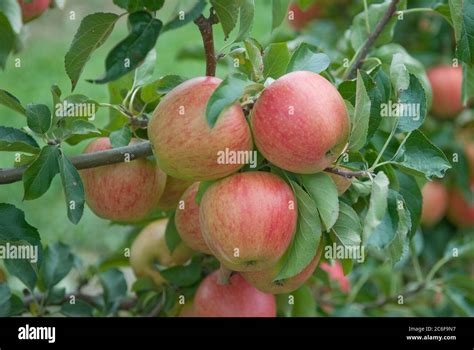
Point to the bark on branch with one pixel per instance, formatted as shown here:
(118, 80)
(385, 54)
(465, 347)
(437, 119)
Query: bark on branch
(205, 27)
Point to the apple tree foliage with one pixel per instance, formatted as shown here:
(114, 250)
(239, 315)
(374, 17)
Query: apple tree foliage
(380, 212)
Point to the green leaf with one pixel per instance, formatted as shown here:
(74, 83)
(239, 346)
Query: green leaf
(322, 190)
(152, 91)
(12, 11)
(203, 186)
(121, 137)
(227, 93)
(279, 12)
(247, 14)
(347, 229)
(38, 118)
(379, 91)
(7, 38)
(183, 276)
(189, 15)
(14, 228)
(377, 205)
(413, 102)
(75, 127)
(463, 22)
(305, 58)
(305, 242)
(255, 56)
(228, 12)
(92, 34)
(9, 100)
(172, 237)
(275, 60)
(115, 288)
(399, 74)
(130, 52)
(24, 270)
(73, 189)
(15, 140)
(445, 11)
(461, 170)
(118, 90)
(458, 302)
(467, 83)
(144, 72)
(57, 261)
(359, 32)
(360, 123)
(304, 303)
(5, 296)
(411, 193)
(417, 155)
(78, 309)
(153, 5)
(37, 178)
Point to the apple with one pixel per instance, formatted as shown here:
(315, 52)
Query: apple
(32, 9)
(264, 280)
(187, 310)
(460, 212)
(342, 183)
(124, 192)
(150, 247)
(238, 298)
(248, 220)
(336, 274)
(469, 150)
(187, 220)
(446, 83)
(435, 203)
(185, 146)
(299, 18)
(174, 189)
(300, 123)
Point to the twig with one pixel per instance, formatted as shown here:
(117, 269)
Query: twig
(205, 27)
(89, 160)
(349, 174)
(371, 40)
(223, 275)
(384, 301)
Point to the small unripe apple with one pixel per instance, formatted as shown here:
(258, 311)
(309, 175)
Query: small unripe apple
(299, 18)
(150, 247)
(32, 9)
(435, 203)
(187, 220)
(174, 189)
(461, 212)
(238, 298)
(300, 123)
(264, 280)
(124, 192)
(342, 183)
(185, 145)
(248, 220)
(336, 274)
(446, 83)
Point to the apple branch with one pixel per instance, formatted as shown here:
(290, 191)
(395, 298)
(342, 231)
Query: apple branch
(359, 59)
(348, 174)
(89, 160)
(205, 27)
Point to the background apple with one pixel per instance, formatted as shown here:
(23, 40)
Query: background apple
(248, 220)
(187, 221)
(122, 192)
(32, 9)
(300, 123)
(174, 189)
(236, 299)
(446, 83)
(299, 18)
(336, 274)
(185, 146)
(460, 212)
(435, 203)
(150, 247)
(263, 280)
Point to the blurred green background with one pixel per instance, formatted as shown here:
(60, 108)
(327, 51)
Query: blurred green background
(42, 65)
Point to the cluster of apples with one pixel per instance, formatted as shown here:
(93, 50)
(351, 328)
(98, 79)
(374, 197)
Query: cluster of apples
(246, 219)
(438, 201)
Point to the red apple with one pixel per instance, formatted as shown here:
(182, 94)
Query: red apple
(174, 189)
(263, 280)
(187, 220)
(446, 83)
(460, 212)
(124, 192)
(336, 274)
(185, 146)
(299, 18)
(150, 247)
(32, 9)
(236, 299)
(300, 123)
(248, 220)
(435, 203)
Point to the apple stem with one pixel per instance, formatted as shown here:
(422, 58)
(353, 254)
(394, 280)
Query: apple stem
(223, 275)
(205, 27)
